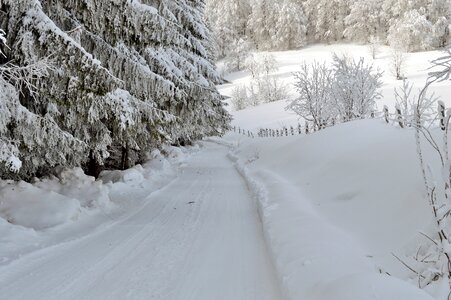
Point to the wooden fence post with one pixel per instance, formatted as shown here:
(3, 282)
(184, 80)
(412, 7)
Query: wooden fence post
(386, 114)
(399, 116)
(441, 115)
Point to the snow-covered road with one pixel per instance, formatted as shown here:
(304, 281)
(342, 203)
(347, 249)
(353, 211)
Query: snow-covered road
(198, 238)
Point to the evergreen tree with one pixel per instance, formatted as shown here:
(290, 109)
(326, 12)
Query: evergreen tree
(228, 22)
(327, 19)
(289, 29)
(128, 76)
(412, 32)
(262, 17)
(365, 21)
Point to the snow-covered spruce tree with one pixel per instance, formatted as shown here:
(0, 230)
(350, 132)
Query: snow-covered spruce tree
(441, 32)
(238, 55)
(290, 26)
(365, 21)
(129, 76)
(314, 104)
(326, 19)
(355, 87)
(263, 16)
(21, 130)
(228, 22)
(412, 32)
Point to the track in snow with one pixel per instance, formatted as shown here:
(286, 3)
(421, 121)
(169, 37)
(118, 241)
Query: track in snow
(173, 249)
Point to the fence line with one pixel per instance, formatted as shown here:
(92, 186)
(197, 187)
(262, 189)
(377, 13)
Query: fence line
(395, 119)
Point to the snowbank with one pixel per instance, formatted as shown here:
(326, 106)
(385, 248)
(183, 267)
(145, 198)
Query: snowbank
(26, 205)
(71, 205)
(334, 205)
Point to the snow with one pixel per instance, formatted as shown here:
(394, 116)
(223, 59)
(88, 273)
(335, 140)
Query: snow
(312, 192)
(339, 204)
(26, 205)
(197, 238)
(315, 217)
(70, 205)
(274, 114)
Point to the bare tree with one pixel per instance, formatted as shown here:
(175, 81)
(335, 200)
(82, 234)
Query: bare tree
(355, 87)
(374, 46)
(313, 83)
(436, 261)
(398, 62)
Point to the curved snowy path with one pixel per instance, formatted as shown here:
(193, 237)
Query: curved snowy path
(198, 239)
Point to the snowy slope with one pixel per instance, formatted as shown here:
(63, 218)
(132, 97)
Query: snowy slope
(338, 205)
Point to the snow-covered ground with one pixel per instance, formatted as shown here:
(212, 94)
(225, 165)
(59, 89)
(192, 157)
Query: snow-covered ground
(339, 207)
(315, 217)
(197, 238)
(336, 204)
(64, 208)
(274, 115)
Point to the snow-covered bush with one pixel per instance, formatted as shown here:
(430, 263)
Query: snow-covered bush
(432, 261)
(347, 91)
(415, 108)
(264, 87)
(261, 65)
(355, 87)
(313, 84)
(240, 100)
(267, 88)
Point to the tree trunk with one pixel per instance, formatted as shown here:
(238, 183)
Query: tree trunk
(94, 168)
(125, 161)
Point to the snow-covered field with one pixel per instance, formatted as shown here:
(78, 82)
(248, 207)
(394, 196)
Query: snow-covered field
(274, 115)
(316, 217)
